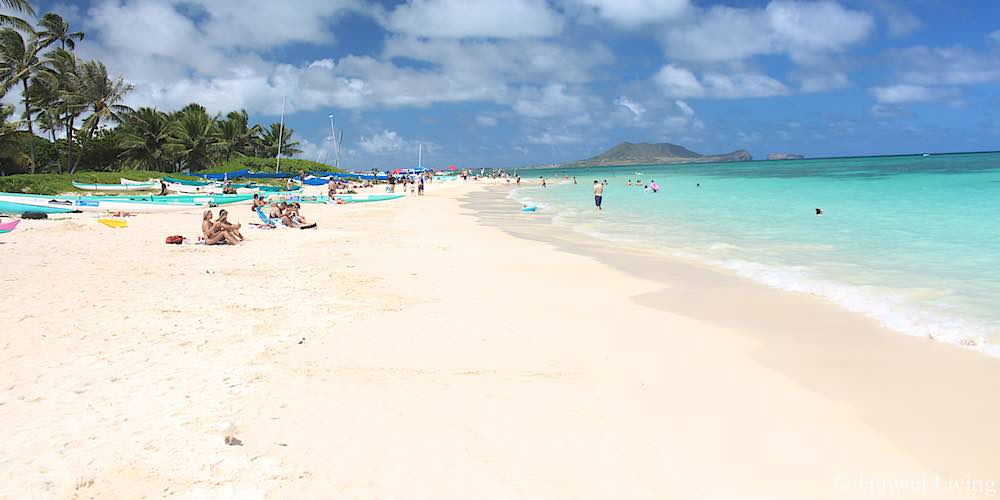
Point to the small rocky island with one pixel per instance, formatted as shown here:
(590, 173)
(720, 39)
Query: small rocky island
(785, 156)
(642, 153)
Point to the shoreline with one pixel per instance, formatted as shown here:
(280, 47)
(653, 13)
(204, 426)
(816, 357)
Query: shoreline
(826, 336)
(887, 306)
(408, 349)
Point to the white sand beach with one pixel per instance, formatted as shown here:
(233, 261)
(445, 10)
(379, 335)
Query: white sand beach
(450, 347)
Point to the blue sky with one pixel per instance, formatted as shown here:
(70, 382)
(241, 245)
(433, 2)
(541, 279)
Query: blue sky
(517, 82)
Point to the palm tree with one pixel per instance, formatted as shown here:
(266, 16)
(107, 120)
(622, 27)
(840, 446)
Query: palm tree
(238, 135)
(63, 93)
(149, 139)
(19, 63)
(55, 29)
(102, 95)
(21, 7)
(269, 141)
(10, 139)
(197, 137)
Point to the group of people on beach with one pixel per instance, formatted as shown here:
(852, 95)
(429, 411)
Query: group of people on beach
(652, 186)
(219, 231)
(415, 182)
(287, 214)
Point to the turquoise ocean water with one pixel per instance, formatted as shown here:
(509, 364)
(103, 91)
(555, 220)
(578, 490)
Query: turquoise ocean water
(912, 241)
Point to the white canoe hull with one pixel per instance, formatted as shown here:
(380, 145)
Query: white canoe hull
(139, 207)
(115, 187)
(185, 189)
(143, 184)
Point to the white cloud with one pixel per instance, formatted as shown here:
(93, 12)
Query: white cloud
(530, 61)
(905, 93)
(475, 18)
(685, 108)
(634, 13)
(634, 107)
(352, 83)
(798, 29)
(681, 82)
(994, 36)
(548, 102)
(935, 74)
(251, 23)
(553, 137)
(486, 121)
(820, 82)
(390, 143)
(946, 65)
(899, 22)
(685, 121)
(383, 143)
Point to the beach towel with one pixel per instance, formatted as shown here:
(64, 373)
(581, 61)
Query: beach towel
(267, 220)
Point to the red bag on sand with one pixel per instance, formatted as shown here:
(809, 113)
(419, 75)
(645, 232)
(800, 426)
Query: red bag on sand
(175, 240)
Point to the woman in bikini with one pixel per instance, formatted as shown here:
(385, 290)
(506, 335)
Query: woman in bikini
(295, 215)
(213, 234)
(223, 223)
(280, 212)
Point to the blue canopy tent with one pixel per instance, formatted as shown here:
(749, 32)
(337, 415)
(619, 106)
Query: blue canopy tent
(279, 175)
(223, 176)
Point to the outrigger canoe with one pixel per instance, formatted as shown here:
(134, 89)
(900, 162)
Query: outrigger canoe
(92, 204)
(345, 198)
(116, 187)
(185, 182)
(7, 207)
(7, 227)
(217, 199)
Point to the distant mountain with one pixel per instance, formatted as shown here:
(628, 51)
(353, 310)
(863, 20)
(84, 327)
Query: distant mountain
(784, 156)
(628, 153)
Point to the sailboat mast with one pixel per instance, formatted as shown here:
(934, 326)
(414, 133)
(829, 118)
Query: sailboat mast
(281, 133)
(420, 155)
(340, 140)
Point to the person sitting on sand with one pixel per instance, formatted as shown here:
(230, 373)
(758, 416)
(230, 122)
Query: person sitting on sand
(258, 202)
(213, 234)
(223, 224)
(279, 212)
(295, 215)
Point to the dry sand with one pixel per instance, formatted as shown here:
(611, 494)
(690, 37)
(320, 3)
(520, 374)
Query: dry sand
(452, 347)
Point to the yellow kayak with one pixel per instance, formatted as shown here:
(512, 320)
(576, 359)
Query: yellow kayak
(113, 222)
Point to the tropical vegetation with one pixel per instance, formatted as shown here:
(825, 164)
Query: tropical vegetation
(71, 114)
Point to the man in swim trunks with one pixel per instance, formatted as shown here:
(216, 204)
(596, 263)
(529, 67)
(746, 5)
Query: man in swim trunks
(598, 194)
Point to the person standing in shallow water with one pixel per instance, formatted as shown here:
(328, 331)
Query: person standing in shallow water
(598, 194)
(543, 180)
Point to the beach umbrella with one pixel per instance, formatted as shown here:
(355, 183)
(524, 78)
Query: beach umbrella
(452, 167)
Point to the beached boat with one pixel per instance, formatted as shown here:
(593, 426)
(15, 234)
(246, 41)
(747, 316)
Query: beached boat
(12, 208)
(7, 227)
(208, 189)
(346, 198)
(115, 187)
(153, 184)
(93, 204)
(186, 182)
(198, 199)
(364, 198)
(188, 189)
